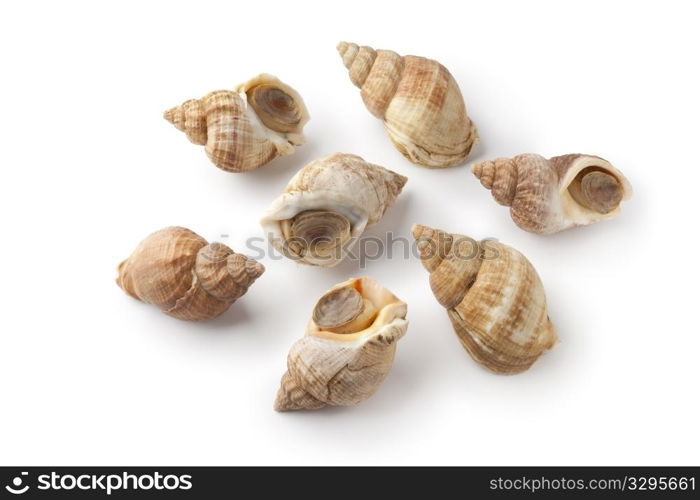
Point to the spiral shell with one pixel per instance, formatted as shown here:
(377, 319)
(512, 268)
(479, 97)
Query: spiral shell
(418, 100)
(344, 361)
(547, 196)
(326, 207)
(177, 271)
(493, 297)
(246, 128)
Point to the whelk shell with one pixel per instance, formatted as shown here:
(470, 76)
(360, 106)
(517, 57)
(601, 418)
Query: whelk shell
(326, 207)
(348, 348)
(246, 128)
(418, 100)
(177, 271)
(547, 196)
(493, 296)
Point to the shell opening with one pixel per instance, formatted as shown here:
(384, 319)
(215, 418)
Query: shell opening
(344, 310)
(597, 190)
(277, 109)
(319, 233)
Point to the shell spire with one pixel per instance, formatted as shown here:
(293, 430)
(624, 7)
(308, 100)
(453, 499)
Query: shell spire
(493, 296)
(179, 272)
(291, 396)
(419, 101)
(500, 176)
(358, 61)
(547, 196)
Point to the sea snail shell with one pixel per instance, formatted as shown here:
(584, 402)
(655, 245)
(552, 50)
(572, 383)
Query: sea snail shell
(177, 271)
(246, 128)
(493, 297)
(348, 348)
(326, 207)
(418, 100)
(547, 196)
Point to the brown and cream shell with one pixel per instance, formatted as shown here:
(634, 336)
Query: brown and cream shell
(180, 273)
(547, 196)
(493, 296)
(244, 129)
(326, 207)
(418, 100)
(348, 348)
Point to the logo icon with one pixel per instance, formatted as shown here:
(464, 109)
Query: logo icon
(17, 483)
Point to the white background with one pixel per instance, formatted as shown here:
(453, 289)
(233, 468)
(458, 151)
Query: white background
(89, 168)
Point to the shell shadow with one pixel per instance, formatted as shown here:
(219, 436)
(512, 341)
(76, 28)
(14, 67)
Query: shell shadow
(620, 231)
(279, 170)
(386, 401)
(393, 221)
(237, 314)
(495, 139)
(373, 244)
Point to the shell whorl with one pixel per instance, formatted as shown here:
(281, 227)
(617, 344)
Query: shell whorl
(220, 277)
(358, 60)
(500, 176)
(526, 183)
(453, 262)
(377, 73)
(223, 273)
(191, 116)
(292, 396)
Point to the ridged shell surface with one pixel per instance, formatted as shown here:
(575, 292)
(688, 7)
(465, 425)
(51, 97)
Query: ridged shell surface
(418, 100)
(493, 296)
(236, 136)
(325, 368)
(343, 184)
(180, 273)
(538, 190)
